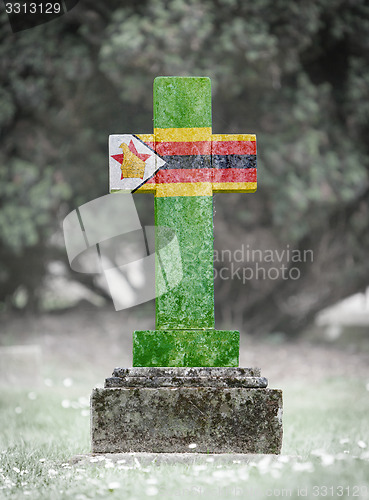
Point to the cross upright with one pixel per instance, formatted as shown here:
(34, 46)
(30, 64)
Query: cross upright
(197, 164)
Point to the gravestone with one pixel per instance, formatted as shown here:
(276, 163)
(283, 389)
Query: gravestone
(185, 391)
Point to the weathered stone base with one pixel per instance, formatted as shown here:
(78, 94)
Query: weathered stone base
(215, 416)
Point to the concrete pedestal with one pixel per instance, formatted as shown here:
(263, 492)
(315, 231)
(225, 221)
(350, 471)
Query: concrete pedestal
(165, 410)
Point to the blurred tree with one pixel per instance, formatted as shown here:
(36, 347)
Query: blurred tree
(296, 74)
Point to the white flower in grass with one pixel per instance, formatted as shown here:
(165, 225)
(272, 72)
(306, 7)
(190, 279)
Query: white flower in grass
(277, 465)
(94, 459)
(210, 459)
(26, 492)
(32, 396)
(152, 480)
(243, 474)
(85, 413)
(327, 460)
(84, 401)
(344, 440)
(199, 467)
(67, 382)
(52, 472)
(15, 469)
(264, 464)
(42, 460)
(114, 485)
(18, 410)
(152, 491)
(318, 453)
(192, 446)
(109, 465)
(122, 461)
(341, 456)
(275, 473)
(361, 444)
(303, 467)
(65, 403)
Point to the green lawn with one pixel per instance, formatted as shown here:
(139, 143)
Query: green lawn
(325, 451)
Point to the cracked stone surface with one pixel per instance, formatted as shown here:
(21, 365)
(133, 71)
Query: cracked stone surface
(169, 419)
(186, 377)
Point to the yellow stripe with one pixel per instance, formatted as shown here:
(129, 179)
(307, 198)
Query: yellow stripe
(182, 134)
(233, 137)
(184, 189)
(198, 188)
(146, 137)
(147, 188)
(235, 187)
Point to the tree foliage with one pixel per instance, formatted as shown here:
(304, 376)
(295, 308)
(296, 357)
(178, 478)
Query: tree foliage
(294, 73)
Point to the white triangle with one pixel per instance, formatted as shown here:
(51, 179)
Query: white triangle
(152, 164)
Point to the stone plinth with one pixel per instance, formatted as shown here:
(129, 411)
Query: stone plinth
(184, 348)
(221, 410)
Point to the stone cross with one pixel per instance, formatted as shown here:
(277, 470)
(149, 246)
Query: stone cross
(197, 164)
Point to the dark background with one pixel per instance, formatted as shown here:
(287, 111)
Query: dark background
(294, 73)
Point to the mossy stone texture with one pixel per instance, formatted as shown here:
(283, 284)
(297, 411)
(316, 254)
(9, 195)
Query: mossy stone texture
(187, 377)
(185, 334)
(186, 348)
(185, 387)
(165, 419)
(191, 303)
(182, 102)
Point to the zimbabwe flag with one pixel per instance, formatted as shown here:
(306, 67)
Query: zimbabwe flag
(197, 162)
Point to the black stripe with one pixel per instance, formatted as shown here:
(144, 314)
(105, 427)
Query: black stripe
(204, 161)
(186, 161)
(151, 176)
(234, 161)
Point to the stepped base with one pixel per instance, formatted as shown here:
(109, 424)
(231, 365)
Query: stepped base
(186, 348)
(216, 410)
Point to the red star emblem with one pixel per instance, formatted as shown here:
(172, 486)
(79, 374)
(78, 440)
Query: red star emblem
(132, 148)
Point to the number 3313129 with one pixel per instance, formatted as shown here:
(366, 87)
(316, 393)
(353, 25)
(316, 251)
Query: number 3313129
(32, 8)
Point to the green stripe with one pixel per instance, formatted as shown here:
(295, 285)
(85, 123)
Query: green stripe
(182, 102)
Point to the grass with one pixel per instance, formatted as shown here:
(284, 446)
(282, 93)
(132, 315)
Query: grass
(325, 451)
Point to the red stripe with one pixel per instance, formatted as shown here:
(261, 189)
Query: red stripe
(183, 148)
(204, 175)
(206, 148)
(234, 175)
(234, 147)
(184, 175)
